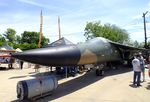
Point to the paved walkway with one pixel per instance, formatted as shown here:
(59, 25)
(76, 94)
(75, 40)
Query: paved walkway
(115, 86)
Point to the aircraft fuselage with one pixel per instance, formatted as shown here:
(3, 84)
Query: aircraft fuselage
(91, 52)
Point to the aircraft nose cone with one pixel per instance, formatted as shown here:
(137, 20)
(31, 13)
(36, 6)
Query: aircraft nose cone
(56, 56)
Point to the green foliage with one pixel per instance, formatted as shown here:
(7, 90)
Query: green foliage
(111, 32)
(10, 35)
(141, 45)
(148, 44)
(44, 41)
(27, 40)
(93, 30)
(1, 43)
(25, 46)
(31, 39)
(135, 44)
(18, 39)
(2, 40)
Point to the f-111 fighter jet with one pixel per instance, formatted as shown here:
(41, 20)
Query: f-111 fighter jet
(95, 51)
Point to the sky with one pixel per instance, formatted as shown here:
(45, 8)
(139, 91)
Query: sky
(24, 15)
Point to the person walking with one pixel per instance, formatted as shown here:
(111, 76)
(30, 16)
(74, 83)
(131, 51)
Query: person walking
(142, 64)
(21, 64)
(137, 70)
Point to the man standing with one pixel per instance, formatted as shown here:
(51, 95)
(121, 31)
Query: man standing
(142, 63)
(21, 64)
(137, 70)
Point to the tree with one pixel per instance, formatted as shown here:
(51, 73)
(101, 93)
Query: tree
(29, 37)
(93, 30)
(18, 39)
(10, 35)
(111, 32)
(44, 41)
(29, 40)
(148, 44)
(136, 44)
(2, 40)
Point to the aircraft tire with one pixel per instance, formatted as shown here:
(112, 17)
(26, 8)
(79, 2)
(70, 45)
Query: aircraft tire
(102, 72)
(99, 72)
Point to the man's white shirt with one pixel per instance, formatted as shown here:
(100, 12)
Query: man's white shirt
(136, 65)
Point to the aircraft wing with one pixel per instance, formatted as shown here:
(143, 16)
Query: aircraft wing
(126, 47)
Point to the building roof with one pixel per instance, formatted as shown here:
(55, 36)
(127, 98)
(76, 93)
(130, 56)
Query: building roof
(61, 42)
(6, 46)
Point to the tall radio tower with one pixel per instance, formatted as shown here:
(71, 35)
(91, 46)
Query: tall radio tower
(59, 30)
(41, 25)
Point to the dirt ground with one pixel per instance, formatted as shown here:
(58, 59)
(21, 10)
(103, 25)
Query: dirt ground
(114, 86)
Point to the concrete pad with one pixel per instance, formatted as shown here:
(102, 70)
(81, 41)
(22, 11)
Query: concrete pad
(115, 86)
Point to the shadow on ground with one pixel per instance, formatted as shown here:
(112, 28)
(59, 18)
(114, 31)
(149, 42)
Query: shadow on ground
(18, 77)
(79, 83)
(5, 68)
(148, 86)
(133, 86)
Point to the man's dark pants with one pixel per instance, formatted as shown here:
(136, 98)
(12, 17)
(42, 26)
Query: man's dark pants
(136, 78)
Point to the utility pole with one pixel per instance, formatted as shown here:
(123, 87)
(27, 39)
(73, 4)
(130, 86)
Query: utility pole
(145, 28)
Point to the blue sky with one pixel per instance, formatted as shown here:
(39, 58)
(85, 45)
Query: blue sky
(24, 15)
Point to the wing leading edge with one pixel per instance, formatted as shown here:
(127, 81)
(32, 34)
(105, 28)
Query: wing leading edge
(126, 47)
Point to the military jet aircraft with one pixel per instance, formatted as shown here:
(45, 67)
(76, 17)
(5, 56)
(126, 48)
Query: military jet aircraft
(95, 51)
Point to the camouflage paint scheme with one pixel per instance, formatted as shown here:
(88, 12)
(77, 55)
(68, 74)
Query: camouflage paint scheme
(94, 51)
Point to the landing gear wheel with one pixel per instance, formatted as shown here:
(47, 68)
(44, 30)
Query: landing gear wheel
(99, 72)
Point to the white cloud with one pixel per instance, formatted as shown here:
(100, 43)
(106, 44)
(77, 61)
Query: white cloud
(31, 2)
(48, 6)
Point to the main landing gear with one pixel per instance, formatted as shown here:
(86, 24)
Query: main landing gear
(100, 69)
